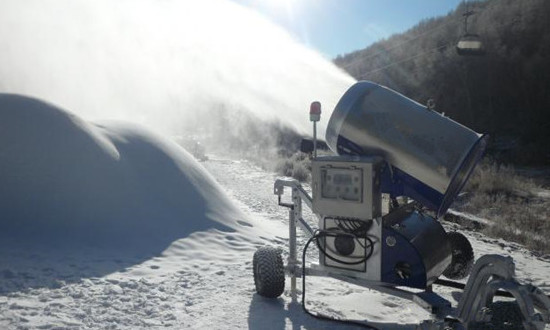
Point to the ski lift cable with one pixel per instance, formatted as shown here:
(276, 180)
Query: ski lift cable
(364, 75)
(384, 52)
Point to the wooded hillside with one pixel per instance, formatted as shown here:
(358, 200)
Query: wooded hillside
(505, 92)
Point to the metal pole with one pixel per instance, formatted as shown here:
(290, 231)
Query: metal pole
(315, 116)
(314, 139)
(292, 261)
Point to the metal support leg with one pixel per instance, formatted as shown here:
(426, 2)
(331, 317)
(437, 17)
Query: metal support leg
(295, 219)
(294, 215)
(292, 261)
(491, 273)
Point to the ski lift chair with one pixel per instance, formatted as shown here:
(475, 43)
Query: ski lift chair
(470, 44)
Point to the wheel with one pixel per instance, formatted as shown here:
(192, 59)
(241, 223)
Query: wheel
(269, 272)
(462, 257)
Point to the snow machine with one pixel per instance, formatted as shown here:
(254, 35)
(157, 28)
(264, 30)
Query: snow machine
(391, 148)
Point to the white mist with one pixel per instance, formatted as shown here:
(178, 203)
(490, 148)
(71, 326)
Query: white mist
(166, 64)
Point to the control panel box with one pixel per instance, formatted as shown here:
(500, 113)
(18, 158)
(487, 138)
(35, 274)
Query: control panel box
(347, 186)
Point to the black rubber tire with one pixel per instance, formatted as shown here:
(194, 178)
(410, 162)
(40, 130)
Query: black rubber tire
(269, 272)
(462, 257)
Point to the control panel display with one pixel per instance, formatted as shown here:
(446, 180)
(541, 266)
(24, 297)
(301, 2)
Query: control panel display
(346, 186)
(342, 184)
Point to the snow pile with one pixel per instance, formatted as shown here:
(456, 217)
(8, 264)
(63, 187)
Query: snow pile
(65, 181)
(109, 226)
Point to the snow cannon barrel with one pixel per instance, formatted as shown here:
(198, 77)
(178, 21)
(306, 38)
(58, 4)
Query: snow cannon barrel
(430, 157)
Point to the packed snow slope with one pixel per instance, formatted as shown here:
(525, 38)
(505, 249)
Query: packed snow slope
(71, 185)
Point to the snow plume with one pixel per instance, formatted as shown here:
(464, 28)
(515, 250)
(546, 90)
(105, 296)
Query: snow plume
(167, 64)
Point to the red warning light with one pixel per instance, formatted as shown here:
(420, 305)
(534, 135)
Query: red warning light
(315, 111)
(315, 108)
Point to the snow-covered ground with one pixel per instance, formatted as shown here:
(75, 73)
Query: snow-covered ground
(106, 261)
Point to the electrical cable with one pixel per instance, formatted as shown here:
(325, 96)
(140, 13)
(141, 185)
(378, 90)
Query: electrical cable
(333, 233)
(317, 234)
(350, 263)
(362, 76)
(385, 51)
(357, 228)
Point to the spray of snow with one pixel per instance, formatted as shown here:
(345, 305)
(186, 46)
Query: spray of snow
(170, 65)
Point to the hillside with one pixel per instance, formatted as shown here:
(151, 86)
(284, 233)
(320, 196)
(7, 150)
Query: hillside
(503, 93)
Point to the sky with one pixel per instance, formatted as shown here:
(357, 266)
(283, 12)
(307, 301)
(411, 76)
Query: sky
(337, 27)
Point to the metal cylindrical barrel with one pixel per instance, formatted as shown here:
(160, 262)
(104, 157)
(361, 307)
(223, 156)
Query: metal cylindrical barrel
(440, 153)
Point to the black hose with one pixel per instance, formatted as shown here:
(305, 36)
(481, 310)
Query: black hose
(351, 263)
(315, 236)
